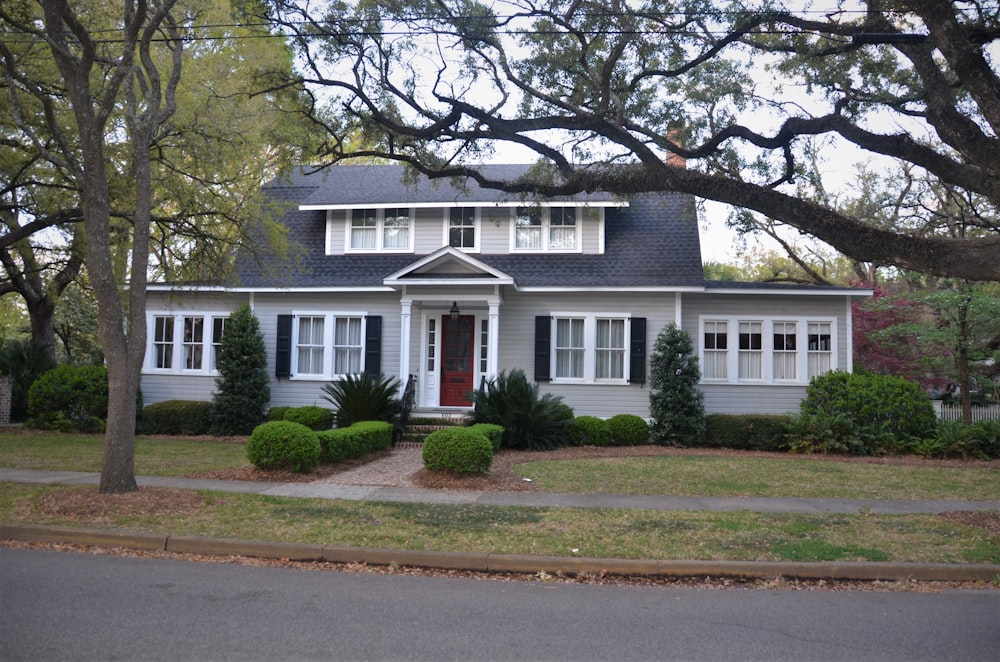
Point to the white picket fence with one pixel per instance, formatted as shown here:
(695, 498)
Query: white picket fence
(954, 413)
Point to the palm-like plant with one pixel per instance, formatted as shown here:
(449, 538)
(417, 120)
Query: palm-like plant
(363, 398)
(530, 421)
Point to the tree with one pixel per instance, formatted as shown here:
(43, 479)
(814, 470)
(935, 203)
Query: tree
(605, 93)
(675, 403)
(242, 390)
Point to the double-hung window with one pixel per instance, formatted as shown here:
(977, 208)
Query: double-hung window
(327, 345)
(462, 228)
(751, 350)
(380, 230)
(555, 229)
(528, 228)
(786, 358)
(590, 347)
(562, 229)
(715, 361)
(820, 348)
(181, 342)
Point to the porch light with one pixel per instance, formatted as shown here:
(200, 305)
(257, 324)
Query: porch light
(454, 310)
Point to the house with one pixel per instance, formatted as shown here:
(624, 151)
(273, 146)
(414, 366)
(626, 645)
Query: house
(445, 283)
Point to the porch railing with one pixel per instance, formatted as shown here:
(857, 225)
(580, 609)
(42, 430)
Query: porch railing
(406, 404)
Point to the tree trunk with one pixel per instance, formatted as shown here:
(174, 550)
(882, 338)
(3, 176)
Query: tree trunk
(963, 361)
(42, 313)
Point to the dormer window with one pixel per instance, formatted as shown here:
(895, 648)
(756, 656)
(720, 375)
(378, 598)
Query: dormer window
(546, 229)
(380, 230)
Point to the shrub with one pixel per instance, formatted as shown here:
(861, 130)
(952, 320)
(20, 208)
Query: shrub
(530, 421)
(459, 450)
(276, 413)
(588, 431)
(955, 439)
(70, 398)
(177, 417)
(23, 362)
(492, 432)
(676, 406)
(311, 416)
(628, 430)
(283, 445)
(354, 441)
(758, 432)
(243, 387)
(864, 414)
(363, 398)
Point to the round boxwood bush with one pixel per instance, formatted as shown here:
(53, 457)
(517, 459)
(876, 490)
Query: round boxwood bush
(492, 432)
(70, 398)
(276, 413)
(283, 445)
(311, 416)
(628, 430)
(589, 431)
(459, 450)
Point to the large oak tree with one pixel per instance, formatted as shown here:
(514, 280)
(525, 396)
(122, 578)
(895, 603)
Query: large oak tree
(612, 94)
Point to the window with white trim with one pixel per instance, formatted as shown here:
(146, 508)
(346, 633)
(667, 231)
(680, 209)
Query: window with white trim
(327, 345)
(768, 350)
(462, 228)
(180, 342)
(380, 230)
(555, 229)
(589, 347)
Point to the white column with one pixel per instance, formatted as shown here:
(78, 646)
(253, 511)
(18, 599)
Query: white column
(493, 349)
(404, 342)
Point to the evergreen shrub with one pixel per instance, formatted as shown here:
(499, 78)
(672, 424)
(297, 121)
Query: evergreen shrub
(458, 450)
(276, 413)
(188, 417)
(757, 432)
(354, 441)
(588, 431)
(531, 421)
(283, 445)
(676, 406)
(243, 387)
(24, 362)
(492, 432)
(363, 398)
(628, 430)
(311, 416)
(70, 398)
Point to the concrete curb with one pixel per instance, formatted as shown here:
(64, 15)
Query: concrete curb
(502, 562)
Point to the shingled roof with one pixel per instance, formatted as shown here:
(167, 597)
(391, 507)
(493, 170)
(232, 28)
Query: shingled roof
(653, 242)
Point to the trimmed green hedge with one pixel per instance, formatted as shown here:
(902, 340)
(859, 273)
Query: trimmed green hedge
(177, 417)
(311, 416)
(277, 413)
(283, 445)
(492, 432)
(458, 450)
(354, 441)
(588, 431)
(628, 430)
(756, 432)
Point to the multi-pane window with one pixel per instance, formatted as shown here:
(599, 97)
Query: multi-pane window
(380, 229)
(431, 343)
(462, 227)
(528, 228)
(309, 346)
(751, 350)
(562, 228)
(347, 346)
(569, 348)
(716, 350)
(484, 346)
(218, 332)
(194, 331)
(784, 350)
(820, 348)
(610, 349)
(163, 342)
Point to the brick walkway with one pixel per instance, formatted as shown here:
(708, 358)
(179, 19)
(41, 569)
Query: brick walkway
(392, 471)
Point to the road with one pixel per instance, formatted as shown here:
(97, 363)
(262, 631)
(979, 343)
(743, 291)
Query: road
(57, 605)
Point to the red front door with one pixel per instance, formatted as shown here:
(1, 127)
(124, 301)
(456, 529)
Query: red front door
(457, 351)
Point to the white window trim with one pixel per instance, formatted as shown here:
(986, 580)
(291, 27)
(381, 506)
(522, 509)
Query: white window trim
(767, 347)
(545, 229)
(379, 232)
(177, 358)
(590, 348)
(329, 322)
(446, 239)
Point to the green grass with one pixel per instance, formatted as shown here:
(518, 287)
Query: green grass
(538, 531)
(761, 477)
(154, 456)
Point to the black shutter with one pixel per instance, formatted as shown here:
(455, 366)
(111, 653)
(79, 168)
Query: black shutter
(543, 348)
(373, 345)
(637, 351)
(283, 355)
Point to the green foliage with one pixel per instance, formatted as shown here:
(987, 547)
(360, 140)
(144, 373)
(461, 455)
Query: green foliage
(588, 431)
(757, 432)
(861, 414)
(242, 389)
(628, 430)
(24, 362)
(70, 398)
(458, 450)
(354, 441)
(276, 413)
(676, 406)
(311, 416)
(188, 417)
(492, 432)
(530, 421)
(955, 439)
(283, 445)
(363, 398)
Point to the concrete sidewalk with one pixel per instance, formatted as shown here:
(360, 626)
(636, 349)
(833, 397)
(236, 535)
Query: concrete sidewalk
(510, 563)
